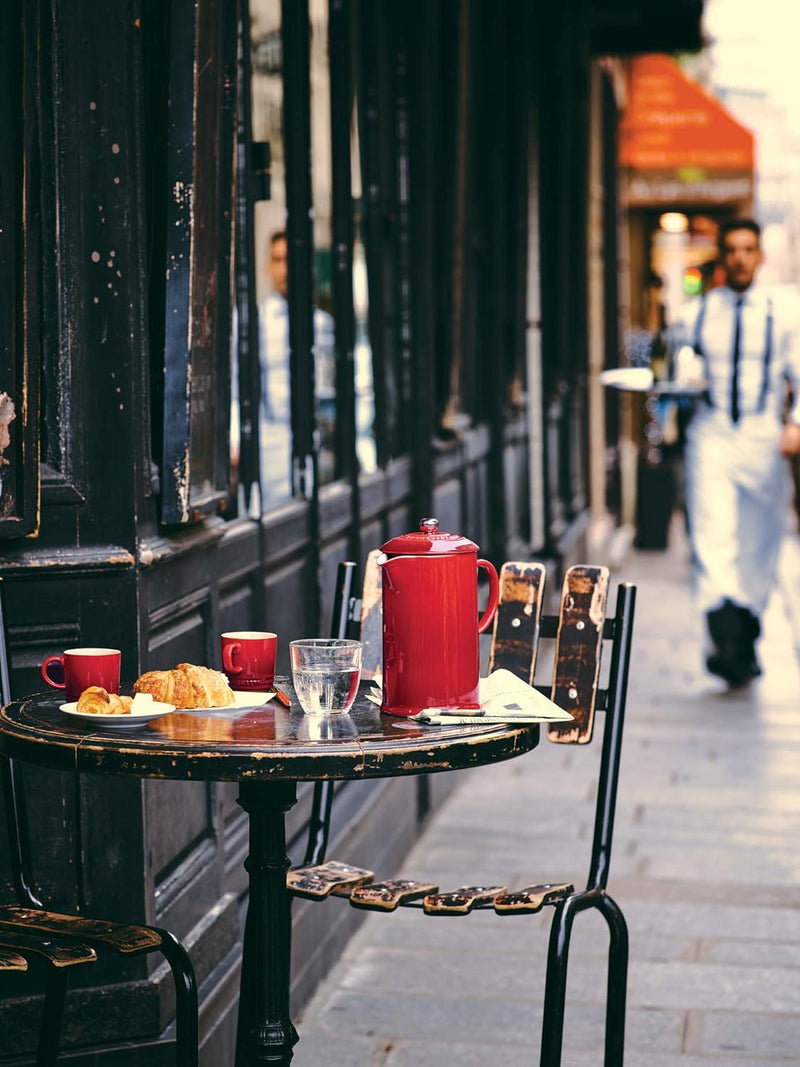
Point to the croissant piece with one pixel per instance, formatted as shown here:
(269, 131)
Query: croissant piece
(98, 701)
(187, 686)
(171, 687)
(211, 689)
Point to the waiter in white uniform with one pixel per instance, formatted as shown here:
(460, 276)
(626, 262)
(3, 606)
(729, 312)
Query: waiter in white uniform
(737, 479)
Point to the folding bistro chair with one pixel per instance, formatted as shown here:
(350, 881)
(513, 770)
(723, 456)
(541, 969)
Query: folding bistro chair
(579, 632)
(65, 941)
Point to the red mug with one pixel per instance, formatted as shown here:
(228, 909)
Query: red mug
(82, 667)
(248, 659)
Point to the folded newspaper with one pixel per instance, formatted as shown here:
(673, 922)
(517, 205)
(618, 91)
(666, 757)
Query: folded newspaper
(504, 698)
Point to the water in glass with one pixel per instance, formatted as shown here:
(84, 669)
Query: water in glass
(322, 690)
(326, 672)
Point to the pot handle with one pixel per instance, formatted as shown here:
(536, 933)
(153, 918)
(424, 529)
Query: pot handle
(494, 594)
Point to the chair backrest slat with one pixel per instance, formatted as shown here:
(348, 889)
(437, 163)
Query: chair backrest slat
(578, 650)
(515, 637)
(344, 620)
(372, 617)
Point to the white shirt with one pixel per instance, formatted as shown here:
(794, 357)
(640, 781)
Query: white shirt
(778, 357)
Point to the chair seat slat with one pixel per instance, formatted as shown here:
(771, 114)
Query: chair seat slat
(320, 881)
(386, 896)
(12, 961)
(531, 899)
(58, 953)
(122, 937)
(461, 901)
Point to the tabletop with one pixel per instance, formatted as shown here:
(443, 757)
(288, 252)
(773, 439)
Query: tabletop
(264, 743)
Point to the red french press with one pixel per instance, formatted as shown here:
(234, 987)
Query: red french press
(431, 657)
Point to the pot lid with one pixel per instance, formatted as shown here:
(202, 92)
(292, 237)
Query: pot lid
(428, 540)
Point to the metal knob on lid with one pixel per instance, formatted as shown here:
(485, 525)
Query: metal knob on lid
(428, 540)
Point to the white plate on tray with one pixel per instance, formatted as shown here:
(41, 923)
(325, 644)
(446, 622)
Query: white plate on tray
(241, 699)
(152, 710)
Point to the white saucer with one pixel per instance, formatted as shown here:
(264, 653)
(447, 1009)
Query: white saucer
(154, 709)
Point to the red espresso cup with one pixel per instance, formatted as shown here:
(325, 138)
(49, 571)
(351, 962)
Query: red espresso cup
(78, 668)
(248, 659)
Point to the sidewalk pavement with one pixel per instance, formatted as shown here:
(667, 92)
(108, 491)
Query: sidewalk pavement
(706, 867)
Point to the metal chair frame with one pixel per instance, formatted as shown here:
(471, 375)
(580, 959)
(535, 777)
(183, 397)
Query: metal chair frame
(618, 630)
(32, 930)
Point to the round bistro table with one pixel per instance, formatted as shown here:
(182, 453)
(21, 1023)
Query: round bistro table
(267, 750)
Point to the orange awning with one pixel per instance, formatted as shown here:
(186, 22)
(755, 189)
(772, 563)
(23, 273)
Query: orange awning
(672, 122)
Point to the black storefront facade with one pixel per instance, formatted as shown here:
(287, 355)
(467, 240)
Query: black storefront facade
(134, 190)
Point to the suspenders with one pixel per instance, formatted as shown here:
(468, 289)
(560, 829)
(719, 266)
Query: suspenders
(698, 346)
(762, 396)
(766, 360)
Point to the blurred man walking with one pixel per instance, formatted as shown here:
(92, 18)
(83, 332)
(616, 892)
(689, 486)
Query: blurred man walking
(737, 481)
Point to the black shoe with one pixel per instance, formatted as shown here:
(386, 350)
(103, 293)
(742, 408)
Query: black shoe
(733, 630)
(733, 624)
(735, 669)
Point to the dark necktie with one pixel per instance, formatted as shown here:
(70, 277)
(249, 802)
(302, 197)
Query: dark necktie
(737, 338)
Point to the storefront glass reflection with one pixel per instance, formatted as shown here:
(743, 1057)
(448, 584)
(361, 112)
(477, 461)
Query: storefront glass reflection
(272, 251)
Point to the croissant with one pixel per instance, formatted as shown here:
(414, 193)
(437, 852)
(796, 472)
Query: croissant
(98, 701)
(171, 687)
(187, 686)
(211, 689)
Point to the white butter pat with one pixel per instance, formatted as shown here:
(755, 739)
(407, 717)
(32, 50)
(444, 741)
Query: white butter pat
(141, 701)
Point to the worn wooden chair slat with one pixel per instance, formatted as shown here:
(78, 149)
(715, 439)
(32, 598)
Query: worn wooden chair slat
(531, 899)
(11, 961)
(461, 901)
(515, 637)
(371, 630)
(579, 645)
(57, 953)
(319, 881)
(386, 896)
(123, 938)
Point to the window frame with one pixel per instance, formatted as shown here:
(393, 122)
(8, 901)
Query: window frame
(20, 280)
(198, 254)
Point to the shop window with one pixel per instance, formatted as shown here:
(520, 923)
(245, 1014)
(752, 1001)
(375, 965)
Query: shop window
(325, 400)
(271, 257)
(284, 393)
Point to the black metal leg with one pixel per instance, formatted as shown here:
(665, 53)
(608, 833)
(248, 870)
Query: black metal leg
(555, 993)
(186, 1036)
(555, 990)
(52, 1016)
(265, 1034)
(617, 981)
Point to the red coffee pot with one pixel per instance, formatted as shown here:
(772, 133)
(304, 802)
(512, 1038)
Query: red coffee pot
(431, 657)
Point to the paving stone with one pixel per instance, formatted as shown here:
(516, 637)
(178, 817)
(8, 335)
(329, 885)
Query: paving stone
(457, 1054)
(317, 1047)
(710, 986)
(405, 1014)
(770, 953)
(751, 1034)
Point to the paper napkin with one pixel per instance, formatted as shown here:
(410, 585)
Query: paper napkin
(504, 698)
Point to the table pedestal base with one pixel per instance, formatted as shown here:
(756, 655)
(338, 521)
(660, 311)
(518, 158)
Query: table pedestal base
(265, 1033)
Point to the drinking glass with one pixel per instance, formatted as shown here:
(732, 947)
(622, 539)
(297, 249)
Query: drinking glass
(326, 672)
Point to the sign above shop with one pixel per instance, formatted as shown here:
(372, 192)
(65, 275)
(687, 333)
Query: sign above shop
(679, 143)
